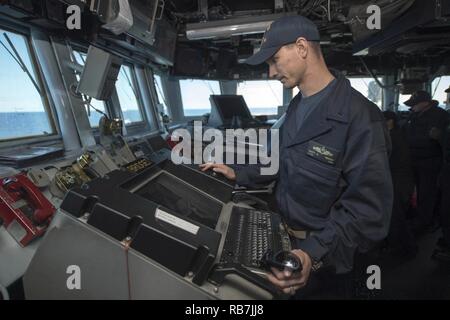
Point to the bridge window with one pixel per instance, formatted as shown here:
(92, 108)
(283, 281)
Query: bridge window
(195, 95)
(129, 96)
(262, 97)
(97, 107)
(401, 102)
(438, 87)
(23, 109)
(369, 88)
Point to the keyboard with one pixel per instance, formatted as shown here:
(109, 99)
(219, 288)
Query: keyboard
(250, 234)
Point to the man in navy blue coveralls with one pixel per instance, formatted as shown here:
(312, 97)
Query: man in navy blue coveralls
(334, 187)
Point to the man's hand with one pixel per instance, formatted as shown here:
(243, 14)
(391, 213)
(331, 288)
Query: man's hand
(290, 282)
(220, 168)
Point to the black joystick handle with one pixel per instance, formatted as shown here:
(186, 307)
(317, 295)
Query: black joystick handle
(282, 260)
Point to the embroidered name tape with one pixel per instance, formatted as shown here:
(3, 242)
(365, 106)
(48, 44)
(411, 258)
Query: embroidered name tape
(322, 153)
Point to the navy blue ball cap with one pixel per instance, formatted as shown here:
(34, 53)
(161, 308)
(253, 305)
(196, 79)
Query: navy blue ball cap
(418, 97)
(283, 31)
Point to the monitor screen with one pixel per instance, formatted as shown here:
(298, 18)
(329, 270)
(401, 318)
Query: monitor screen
(230, 106)
(177, 195)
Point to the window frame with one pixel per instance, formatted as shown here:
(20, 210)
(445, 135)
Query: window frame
(46, 99)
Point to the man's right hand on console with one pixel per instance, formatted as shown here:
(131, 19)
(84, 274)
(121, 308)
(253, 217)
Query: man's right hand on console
(219, 168)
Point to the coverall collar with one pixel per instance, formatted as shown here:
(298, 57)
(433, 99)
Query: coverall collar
(333, 107)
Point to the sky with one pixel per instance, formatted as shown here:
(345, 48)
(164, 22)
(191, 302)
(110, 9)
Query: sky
(125, 92)
(17, 92)
(195, 93)
(261, 94)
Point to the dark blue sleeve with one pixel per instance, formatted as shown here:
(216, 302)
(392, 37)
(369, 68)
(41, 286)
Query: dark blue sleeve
(250, 176)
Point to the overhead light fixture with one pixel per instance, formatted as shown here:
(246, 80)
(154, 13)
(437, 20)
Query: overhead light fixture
(230, 27)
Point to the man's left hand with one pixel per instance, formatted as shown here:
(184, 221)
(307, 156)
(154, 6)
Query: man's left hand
(290, 282)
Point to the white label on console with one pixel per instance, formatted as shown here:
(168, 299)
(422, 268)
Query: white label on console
(177, 222)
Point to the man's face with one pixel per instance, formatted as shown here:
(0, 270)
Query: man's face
(419, 106)
(287, 66)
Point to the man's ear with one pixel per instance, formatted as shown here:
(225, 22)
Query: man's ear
(302, 47)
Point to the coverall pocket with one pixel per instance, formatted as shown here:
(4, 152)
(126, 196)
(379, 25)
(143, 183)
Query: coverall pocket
(315, 185)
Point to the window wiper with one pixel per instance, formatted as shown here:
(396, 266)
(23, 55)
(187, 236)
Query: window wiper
(160, 91)
(130, 84)
(81, 57)
(18, 59)
(273, 92)
(209, 87)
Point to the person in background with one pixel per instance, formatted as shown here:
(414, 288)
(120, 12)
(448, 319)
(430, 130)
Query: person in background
(442, 251)
(400, 238)
(447, 101)
(423, 131)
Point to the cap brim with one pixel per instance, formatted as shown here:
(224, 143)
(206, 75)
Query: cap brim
(261, 56)
(410, 102)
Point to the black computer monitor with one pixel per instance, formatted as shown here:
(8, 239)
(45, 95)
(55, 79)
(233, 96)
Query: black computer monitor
(226, 107)
(181, 197)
